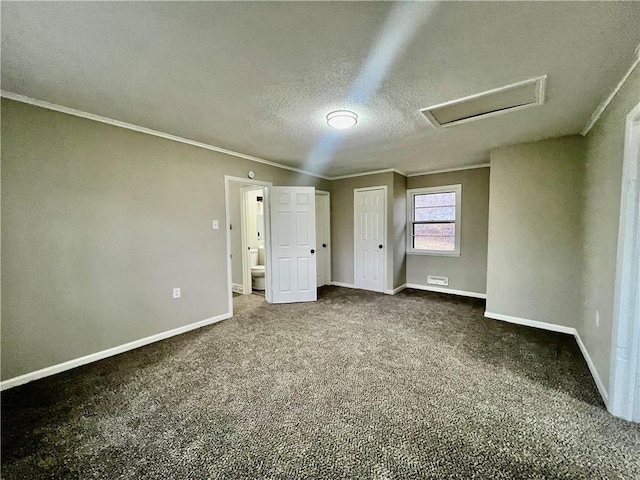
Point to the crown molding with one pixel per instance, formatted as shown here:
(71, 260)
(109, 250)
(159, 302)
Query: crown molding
(370, 172)
(446, 170)
(136, 128)
(605, 103)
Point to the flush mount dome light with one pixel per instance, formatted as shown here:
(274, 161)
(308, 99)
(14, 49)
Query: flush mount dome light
(342, 119)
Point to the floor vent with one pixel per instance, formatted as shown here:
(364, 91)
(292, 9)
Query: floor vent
(510, 98)
(433, 280)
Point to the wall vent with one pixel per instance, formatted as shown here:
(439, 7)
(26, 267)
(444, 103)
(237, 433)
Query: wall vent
(510, 98)
(433, 280)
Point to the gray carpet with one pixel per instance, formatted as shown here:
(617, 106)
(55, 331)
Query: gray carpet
(357, 385)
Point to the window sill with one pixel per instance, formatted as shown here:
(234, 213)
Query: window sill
(434, 254)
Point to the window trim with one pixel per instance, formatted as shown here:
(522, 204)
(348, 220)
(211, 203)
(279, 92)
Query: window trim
(411, 193)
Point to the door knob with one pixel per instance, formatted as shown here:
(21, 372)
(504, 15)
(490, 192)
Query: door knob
(379, 246)
(313, 251)
(324, 245)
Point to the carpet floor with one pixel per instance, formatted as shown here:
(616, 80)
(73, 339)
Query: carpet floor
(356, 385)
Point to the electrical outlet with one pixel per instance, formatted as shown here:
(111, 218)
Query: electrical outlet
(597, 318)
(176, 293)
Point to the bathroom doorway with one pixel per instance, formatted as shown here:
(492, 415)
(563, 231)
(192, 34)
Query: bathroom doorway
(253, 240)
(247, 238)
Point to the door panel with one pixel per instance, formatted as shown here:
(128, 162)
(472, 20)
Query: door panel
(369, 238)
(293, 224)
(284, 274)
(304, 270)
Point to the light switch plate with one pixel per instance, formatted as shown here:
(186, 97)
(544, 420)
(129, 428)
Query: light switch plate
(215, 224)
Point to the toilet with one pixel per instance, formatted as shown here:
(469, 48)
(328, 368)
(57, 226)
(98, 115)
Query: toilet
(257, 268)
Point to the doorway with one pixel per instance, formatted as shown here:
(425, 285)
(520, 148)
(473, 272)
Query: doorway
(253, 258)
(289, 223)
(370, 226)
(323, 237)
(247, 235)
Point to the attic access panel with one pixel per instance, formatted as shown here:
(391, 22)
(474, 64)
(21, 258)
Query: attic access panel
(510, 98)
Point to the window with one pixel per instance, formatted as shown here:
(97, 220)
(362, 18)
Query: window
(433, 220)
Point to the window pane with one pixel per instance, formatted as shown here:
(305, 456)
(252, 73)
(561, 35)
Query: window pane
(435, 236)
(446, 199)
(445, 244)
(435, 229)
(435, 214)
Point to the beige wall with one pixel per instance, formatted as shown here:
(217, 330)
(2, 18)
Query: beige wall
(468, 272)
(534, 256)
(399, 229)
(99, 223)
(603, 179)
(342, 231)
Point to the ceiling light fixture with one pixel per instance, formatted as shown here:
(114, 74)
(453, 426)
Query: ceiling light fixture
(342, 119)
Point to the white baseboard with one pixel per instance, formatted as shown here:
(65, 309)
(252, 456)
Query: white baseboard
(340, 284)
(592, 368)
(531, 323)
(396, 290)
(562, 329)
(68, 365)
(452, 291)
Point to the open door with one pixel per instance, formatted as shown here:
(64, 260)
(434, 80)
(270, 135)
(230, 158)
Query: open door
(293, 244)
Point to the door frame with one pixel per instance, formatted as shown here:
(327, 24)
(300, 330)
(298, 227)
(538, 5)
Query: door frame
(327, 270)
(624, 384)
(384, 229)
(267, 230)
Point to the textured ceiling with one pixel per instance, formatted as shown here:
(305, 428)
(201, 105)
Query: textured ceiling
(258, 78)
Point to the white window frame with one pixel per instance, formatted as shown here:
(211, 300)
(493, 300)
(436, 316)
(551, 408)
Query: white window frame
(457, 189)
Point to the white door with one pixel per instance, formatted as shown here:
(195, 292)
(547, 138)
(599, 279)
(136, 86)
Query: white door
(369, 231)
(624, 388)
(323, 257)
(293, 244)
